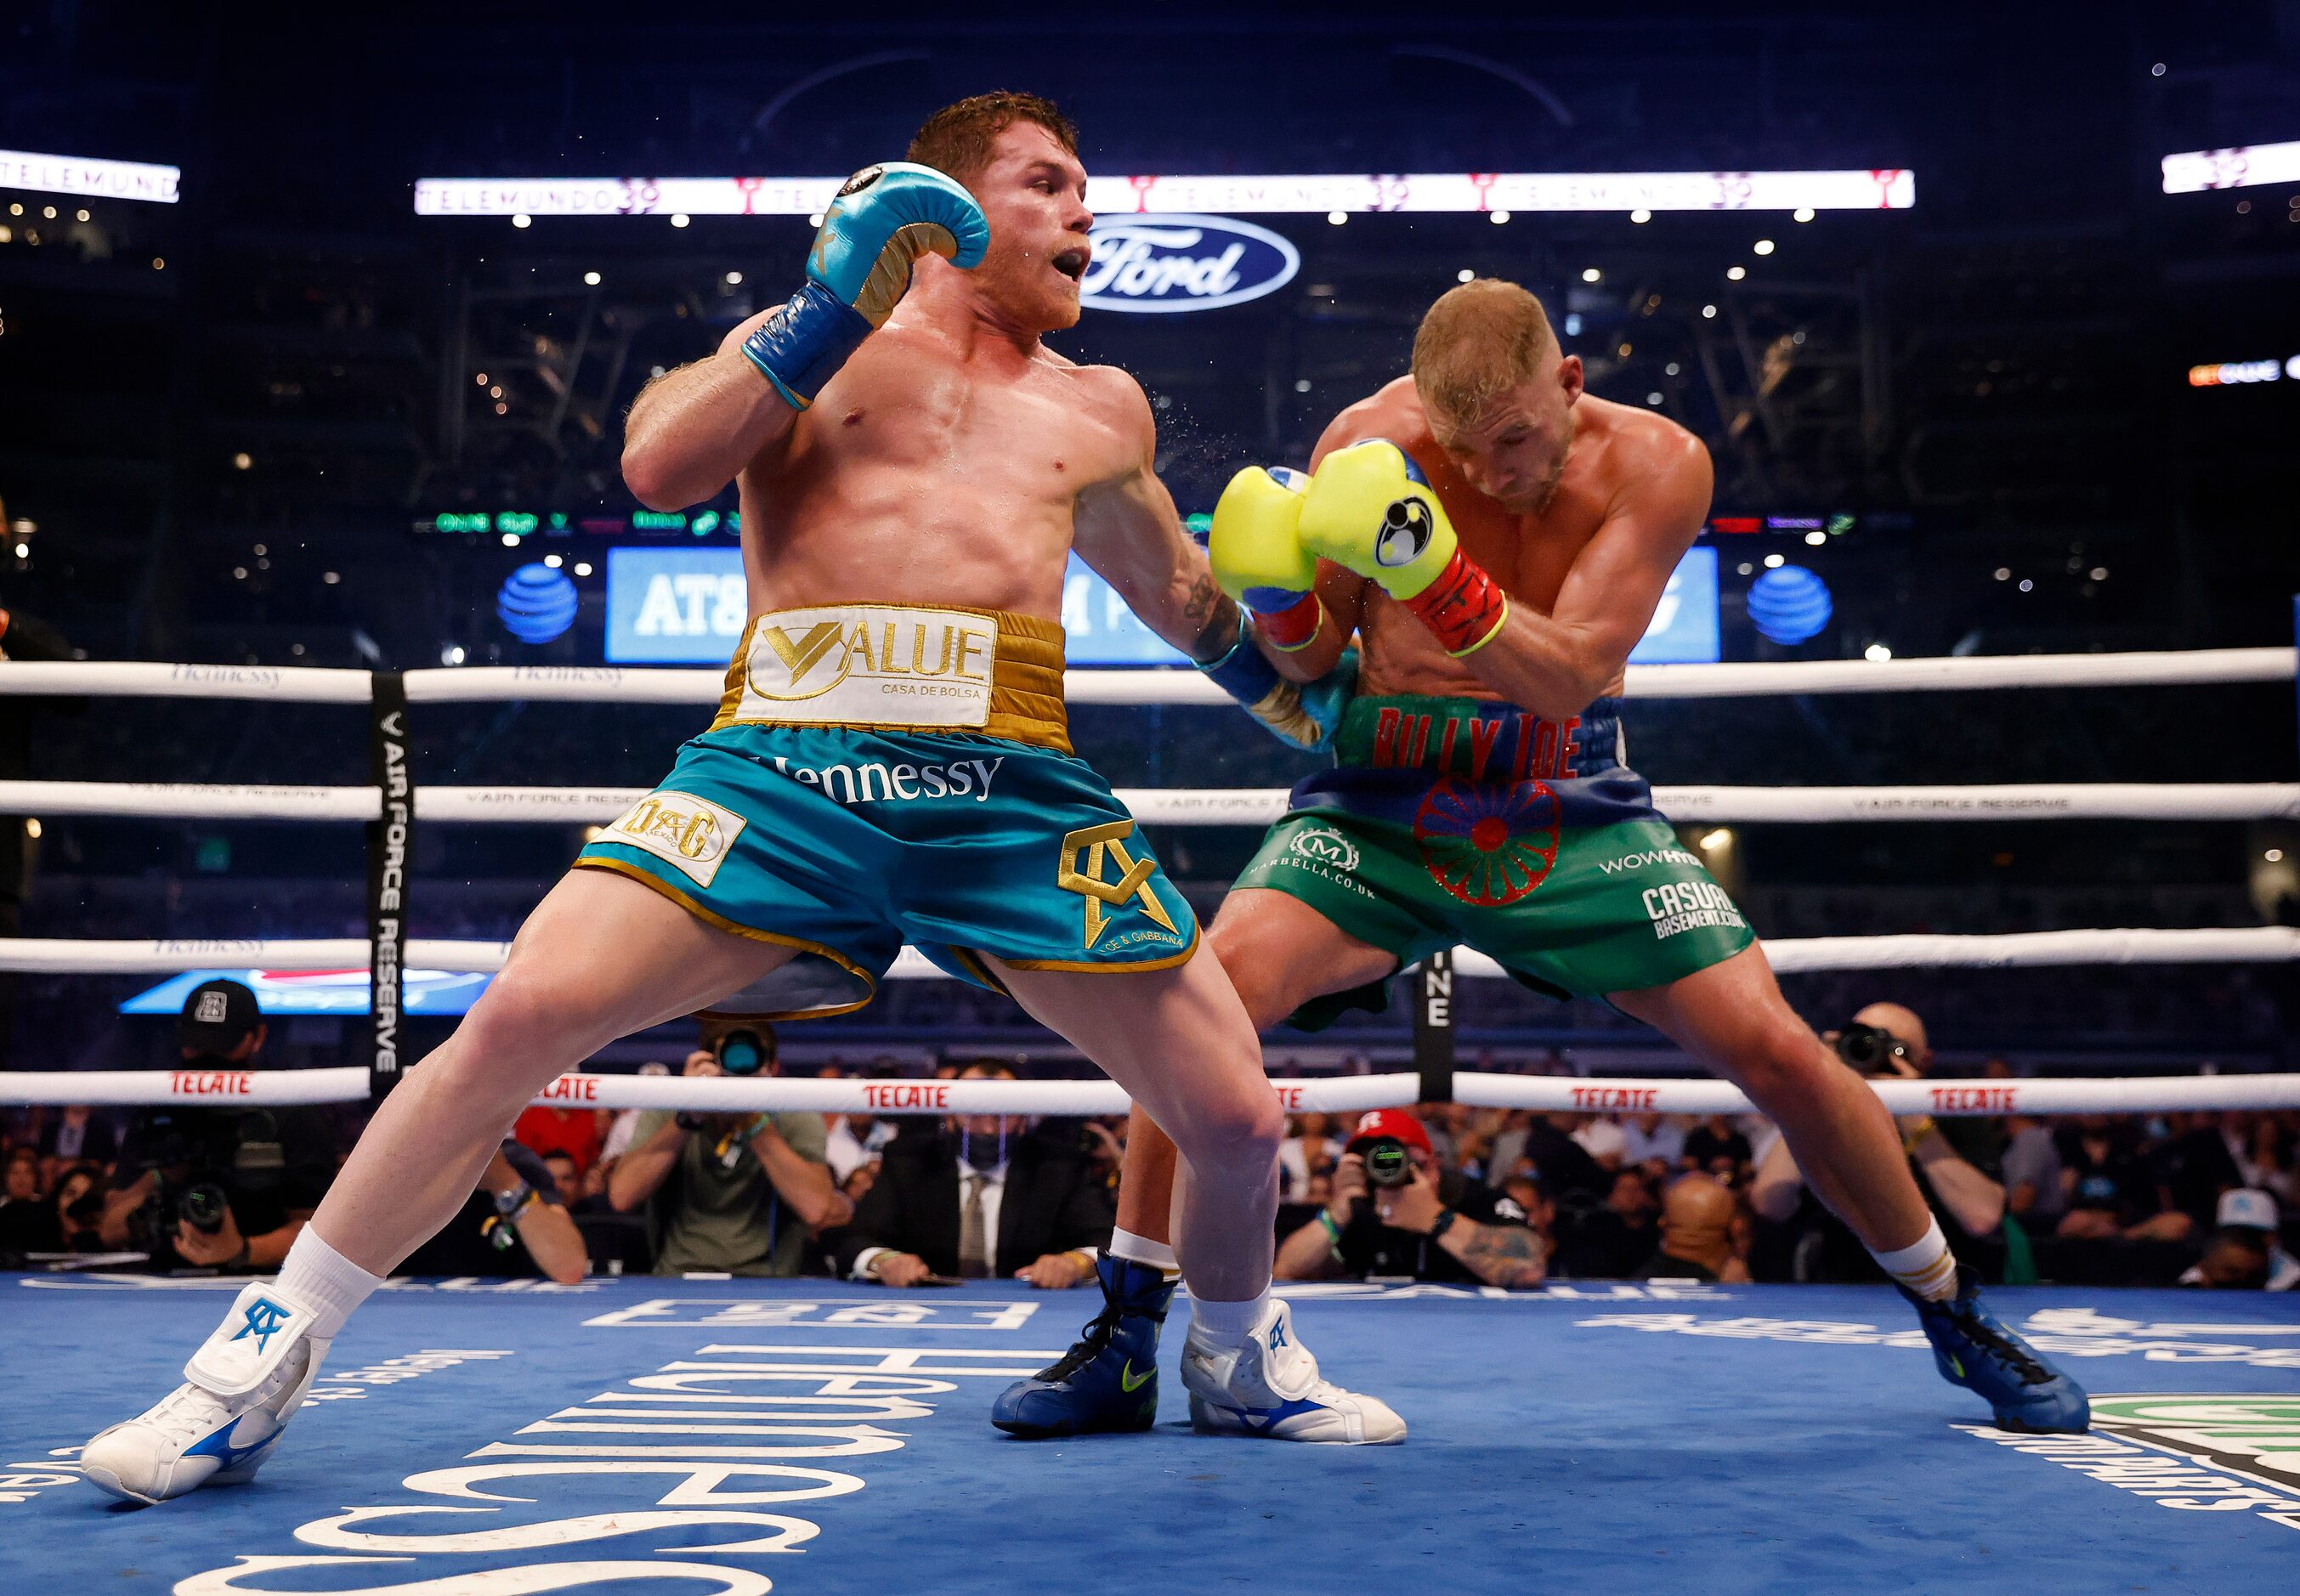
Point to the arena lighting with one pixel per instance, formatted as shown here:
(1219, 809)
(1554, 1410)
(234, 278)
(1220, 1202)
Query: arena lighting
(1722, 837)
(2244, 166)
(2233, 373)
(1332, 195)
(77, 174)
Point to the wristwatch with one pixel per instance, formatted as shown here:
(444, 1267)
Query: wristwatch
(508, 1203)
(1443, 1222)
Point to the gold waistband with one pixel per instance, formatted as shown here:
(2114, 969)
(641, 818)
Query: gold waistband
(1026, 684)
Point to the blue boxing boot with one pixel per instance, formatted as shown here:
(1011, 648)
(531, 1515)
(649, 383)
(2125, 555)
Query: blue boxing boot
(1971, 1349)
(1108, 1381)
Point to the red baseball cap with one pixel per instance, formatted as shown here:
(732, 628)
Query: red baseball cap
(1390, 1122)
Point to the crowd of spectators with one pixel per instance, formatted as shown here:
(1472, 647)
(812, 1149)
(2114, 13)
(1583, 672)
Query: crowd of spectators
(1444, 1193)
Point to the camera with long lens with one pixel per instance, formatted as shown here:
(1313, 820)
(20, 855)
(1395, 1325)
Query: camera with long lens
(193, 1155)
(1388, 1164)
(1870, 1049)
(203, 1207)
(741, 1052)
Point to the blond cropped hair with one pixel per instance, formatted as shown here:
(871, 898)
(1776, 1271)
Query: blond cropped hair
(1479, 342)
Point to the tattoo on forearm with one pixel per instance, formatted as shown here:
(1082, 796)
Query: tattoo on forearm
(1209, 612)
(1505, 1255)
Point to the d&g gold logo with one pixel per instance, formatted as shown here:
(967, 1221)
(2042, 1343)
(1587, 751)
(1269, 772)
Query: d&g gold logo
(691, 833)
(1086, 879)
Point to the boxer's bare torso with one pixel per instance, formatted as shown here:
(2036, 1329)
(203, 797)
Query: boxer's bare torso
(941, 466)
(1617, 450)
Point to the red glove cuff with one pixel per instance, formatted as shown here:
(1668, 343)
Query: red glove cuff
(1463, 609)
(1293, 627)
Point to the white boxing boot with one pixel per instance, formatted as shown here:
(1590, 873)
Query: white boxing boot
(1270, 1387)
(244, 1382)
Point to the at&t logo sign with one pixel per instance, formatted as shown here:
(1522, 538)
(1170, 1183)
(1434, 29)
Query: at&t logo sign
(1158, 263)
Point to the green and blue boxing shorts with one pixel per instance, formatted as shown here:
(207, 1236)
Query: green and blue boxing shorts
(883, 774)
(1456, 820)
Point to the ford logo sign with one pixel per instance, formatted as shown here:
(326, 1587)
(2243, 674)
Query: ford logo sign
(1151, 264)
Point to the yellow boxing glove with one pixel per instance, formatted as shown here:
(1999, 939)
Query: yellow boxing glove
(1255, 548)
(1370, 508)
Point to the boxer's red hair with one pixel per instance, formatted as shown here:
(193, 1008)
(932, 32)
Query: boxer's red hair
(1479, 342)
(957, 139)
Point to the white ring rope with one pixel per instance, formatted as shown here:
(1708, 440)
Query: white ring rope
(1793, 955)
(1191, 806)
(583, 684)
(1336, 1095)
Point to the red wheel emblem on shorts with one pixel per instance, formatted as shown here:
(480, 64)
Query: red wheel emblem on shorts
(1488, 846)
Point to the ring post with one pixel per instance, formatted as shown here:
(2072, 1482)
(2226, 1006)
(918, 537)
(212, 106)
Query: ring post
(1433, 1025)
(389, 840)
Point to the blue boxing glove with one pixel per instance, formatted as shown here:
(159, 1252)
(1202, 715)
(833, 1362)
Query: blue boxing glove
(884, 219)
(1304, 715)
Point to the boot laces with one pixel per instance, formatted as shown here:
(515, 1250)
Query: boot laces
(1094, 1339)
(186, 1413)
(2006, 1347)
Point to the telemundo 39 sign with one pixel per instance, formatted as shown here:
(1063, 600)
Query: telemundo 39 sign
(1160, 263)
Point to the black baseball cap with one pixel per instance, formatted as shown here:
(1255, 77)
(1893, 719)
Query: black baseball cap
(217, 1015)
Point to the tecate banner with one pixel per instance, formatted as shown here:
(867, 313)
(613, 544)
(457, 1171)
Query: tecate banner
(1165, 262)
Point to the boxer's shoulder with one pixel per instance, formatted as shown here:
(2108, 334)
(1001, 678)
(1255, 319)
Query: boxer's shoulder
(1393, 411)
(1628, 447)
(1103, 413)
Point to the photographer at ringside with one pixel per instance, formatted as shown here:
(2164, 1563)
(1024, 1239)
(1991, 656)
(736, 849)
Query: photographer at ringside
(218, 1188)
(1959, 1172)
(514, 1224)
(731, 1194)
(1393, 1213)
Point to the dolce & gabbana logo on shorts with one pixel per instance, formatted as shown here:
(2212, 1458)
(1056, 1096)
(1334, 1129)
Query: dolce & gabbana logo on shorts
(869, 665)
(692, 834)
(1678, 906)
(1325, 846)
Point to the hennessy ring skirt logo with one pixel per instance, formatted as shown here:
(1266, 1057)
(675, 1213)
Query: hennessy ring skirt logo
(869, 664)
(1133, 875)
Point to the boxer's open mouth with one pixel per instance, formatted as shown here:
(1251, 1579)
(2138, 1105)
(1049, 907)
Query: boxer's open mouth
(1072, 263)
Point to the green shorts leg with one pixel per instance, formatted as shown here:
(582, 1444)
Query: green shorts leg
(1570, 911)
(1348, 871)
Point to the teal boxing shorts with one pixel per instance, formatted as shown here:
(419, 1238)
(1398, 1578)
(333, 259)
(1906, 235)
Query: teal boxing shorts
(846, 841)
